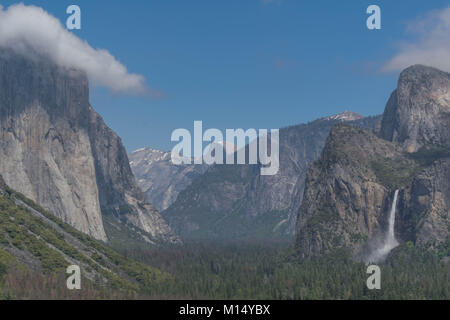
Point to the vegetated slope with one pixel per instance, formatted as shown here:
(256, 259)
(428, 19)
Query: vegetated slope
(36, 248)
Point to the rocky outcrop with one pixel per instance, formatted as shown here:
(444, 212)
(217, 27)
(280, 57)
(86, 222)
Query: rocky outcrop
(236, 202)
(119, 194)
(56, 150)
(161, 180)
(349, 191)
(424, 206)
(418, 112)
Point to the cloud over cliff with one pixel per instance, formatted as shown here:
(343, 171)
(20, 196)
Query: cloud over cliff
(30, 28)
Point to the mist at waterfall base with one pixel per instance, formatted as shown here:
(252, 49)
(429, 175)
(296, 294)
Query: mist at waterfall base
(380, 253)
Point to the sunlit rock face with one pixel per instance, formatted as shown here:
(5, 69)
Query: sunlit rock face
(57, 151)
(418, 112)
(347, 199)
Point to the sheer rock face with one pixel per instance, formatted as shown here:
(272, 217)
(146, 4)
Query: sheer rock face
(418, 112)
(424, 207)
(349, 191)
(346, 201)
(56, 150)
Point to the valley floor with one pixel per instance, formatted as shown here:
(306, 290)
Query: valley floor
(272, 271)
(253, 271)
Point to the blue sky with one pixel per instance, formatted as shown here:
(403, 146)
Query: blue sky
(242, 64)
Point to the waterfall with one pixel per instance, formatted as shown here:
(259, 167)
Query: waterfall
(389, 242)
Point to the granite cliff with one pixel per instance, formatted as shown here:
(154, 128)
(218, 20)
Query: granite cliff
(349, 190)
(57, 151)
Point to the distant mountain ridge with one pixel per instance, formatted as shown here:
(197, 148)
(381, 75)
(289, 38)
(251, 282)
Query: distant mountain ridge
(160, 180)
(345, 116)
(236, 202)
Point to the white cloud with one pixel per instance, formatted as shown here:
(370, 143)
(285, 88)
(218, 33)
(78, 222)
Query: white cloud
(432, 45)
(32, 28)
